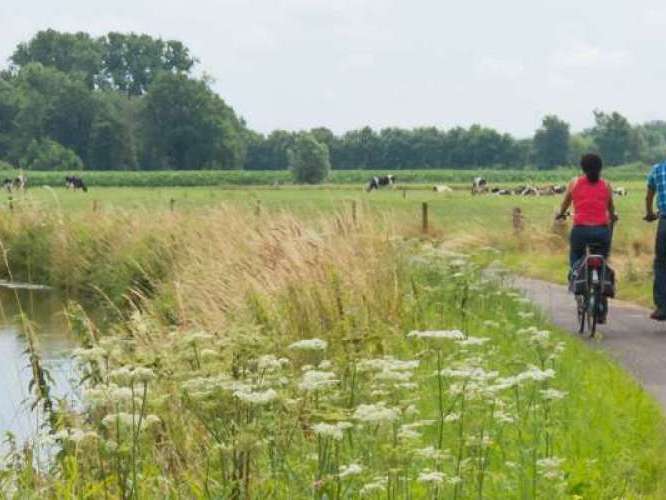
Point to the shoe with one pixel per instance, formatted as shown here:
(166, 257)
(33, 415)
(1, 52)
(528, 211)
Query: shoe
(601, 320)
(658, 315)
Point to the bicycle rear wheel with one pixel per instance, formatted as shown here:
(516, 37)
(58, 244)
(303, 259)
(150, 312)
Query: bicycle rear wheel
(582, 312)
(594, 311)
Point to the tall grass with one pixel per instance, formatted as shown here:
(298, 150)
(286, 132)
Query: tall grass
(330, 359)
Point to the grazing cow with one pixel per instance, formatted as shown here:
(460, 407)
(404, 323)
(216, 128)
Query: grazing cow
(559, 189)
(620, 191)
(479, 185)
(442, 189)
(19, 183)
(381, 181)
(529, 191)
(73, 182)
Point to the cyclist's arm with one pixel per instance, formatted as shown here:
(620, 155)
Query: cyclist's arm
(566, 202)
(649, 202)
(611, 203)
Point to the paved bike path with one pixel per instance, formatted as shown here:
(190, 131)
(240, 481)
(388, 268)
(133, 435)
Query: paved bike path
(636, 341)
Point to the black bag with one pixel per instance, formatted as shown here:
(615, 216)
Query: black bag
(578, 281)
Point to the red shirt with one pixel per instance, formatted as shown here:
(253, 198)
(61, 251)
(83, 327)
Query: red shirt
(590, 201)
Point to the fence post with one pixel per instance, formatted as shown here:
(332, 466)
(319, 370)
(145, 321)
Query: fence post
(11, 203)
(404, 194)
(424, 217)
(172, 203)
(257, 208)
(518, 220)
(354, 211)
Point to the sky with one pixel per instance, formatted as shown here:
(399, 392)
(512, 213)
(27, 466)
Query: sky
(344, 64)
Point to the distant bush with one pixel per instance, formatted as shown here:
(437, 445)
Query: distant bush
(309, 160)
(6, 166)
(46, 154)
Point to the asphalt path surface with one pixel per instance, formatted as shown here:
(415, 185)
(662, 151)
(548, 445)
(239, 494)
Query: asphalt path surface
(630, 336)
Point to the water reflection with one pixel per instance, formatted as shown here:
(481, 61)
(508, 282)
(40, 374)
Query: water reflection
(54, 345)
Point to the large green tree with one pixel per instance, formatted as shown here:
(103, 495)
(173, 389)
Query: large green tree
(551, 143)
(185, 126)
(614, 137)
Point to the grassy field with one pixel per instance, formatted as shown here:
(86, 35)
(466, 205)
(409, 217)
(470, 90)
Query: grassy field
(291, 356)
(457, 220)
(230, 178)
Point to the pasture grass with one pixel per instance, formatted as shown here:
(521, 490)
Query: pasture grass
(321, 357)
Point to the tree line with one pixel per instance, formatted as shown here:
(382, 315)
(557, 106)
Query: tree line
(127, 101)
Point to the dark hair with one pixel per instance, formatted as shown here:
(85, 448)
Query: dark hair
(591, 165)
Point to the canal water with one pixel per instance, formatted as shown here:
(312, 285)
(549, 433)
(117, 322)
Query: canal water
(55, 344)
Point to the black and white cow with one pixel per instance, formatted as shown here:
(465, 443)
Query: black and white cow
(73, 182)
(19, 183)
(479, 185)
(620, 191)
(381, 181)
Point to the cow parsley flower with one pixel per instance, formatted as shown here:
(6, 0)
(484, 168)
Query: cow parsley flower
(376, 413)
(437, 335)
(333, 431)
(256, 398)
(350, 470)
(473, 341)
(553, 394)
(309, 345)
(314, 380)
(433, 477)
(378, 484)
(270, 363)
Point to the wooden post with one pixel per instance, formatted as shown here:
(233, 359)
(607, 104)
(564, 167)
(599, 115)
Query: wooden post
(11, 203)
(518, 220)
(424, 217)
(354, 211)
(172, 203)
(404, 194)
(257, 209)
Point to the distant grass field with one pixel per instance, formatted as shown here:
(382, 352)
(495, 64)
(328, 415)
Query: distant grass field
(407, 178)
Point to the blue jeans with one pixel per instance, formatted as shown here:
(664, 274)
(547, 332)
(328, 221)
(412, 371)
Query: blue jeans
(659, 289)
(598, 237)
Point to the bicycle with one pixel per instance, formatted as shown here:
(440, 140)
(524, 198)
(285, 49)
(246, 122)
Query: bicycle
(589, 287)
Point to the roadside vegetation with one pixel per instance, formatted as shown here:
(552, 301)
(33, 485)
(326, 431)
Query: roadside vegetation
(292, 357)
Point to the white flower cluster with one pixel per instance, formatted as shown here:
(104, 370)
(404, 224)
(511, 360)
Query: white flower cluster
(433, 477)
(122, 420)
(256, 397)
(315, 380)
(550, 468)
(437, 335)
(376, 413)
(333, 431)
(309, 345)
(126, 375)
(350, 470)
(75, 435)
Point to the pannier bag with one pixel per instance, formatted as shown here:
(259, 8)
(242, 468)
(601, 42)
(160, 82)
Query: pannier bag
(578, 283)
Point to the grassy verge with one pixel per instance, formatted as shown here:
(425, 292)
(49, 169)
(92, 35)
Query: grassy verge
(324, 358)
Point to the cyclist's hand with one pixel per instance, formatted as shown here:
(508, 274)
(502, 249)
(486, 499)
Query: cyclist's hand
(615, 218)
(651, 217)
(561, 217)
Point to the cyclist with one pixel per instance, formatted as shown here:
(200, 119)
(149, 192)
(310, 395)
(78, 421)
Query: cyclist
(657, 187)
(592, 199)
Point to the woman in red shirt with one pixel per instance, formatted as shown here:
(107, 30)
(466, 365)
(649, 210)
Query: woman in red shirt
(592, 199)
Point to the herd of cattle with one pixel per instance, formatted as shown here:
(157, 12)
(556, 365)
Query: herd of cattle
(480, 186)
(20, 183)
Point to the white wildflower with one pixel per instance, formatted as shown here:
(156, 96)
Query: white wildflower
(314, 380)
(434, 477)
(406, 433)
(553, 394)
(376, 413)
(333, 431)
(536, 374)
(452, 417)
(437, 334)
(350, 470)
(256, 398)
(270, 363)
(378, 484)
(453, 480)
(309, 345)
(325, 365)
(550, 468)
(387, 363)
(491, 324)
(473, 341)
(525, 315)
(431, 453)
